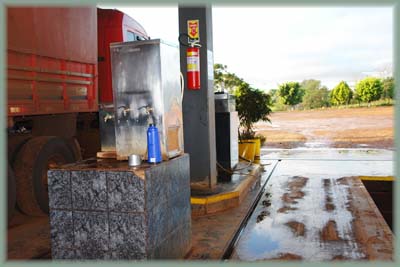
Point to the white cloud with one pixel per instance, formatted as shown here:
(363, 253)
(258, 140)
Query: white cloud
(330, 44)
(270, 45)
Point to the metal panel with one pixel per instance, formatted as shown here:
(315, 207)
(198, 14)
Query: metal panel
(145, 76)
(226, 132)
(39, 85)
(63, 33)
(224, 102)
(107, 127)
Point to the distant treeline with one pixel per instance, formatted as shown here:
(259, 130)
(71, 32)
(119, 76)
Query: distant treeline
(310, 94)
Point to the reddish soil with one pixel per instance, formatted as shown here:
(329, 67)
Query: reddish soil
(294, 189)
(284, 209)
(376, 240)
(297, 228)
(329, 206)
(297, 183)
(340, 258)
(329, 232)
(345, 128)
(288, 256)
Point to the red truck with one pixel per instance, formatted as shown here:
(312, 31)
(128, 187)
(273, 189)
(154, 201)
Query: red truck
(58, 72)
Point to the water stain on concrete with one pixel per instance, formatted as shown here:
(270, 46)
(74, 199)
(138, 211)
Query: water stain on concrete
(329, 232)
(339, 258)
(287, 256)
(297, 183)
(297, 228)
(262, 215)
(285, 209)
(266, 203)
(294, 187)
(329, 206)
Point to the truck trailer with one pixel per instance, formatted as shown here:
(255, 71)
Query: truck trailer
(58, 77)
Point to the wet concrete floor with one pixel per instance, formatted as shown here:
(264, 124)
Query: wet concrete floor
(315, 208)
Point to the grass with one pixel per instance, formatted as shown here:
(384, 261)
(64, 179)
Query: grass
(378, 103)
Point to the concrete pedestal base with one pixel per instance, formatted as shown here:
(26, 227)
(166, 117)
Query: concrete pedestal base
(106, 210)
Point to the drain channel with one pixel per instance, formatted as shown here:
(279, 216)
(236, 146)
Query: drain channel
(228, 252)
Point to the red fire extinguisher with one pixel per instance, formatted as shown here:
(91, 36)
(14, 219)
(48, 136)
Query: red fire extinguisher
(193, 67)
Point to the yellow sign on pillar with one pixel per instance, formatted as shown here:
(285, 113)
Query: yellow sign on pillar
(193, 30)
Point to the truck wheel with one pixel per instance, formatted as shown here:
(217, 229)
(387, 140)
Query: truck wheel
(31, 165)
(11, 193)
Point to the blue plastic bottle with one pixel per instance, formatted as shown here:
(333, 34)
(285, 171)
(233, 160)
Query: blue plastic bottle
(153, 145)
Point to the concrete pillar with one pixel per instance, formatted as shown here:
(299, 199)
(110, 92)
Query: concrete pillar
(198, 105)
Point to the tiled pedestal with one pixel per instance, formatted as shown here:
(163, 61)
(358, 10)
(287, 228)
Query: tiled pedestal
(106, 210)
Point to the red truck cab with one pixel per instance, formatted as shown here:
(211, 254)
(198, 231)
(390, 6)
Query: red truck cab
(113, 26)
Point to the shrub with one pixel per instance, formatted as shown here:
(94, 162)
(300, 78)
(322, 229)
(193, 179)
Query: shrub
(341, 94)
(369, 89)
(388, 88)
(252, 105)
(291, 93)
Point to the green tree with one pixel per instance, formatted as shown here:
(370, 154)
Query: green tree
(224, 80)
(274, 95)
(369, 89)
(388, 88)
(316, 98)
(252, 105)
(219, 71)
(341, 94)
(291, 93)
(310, 84)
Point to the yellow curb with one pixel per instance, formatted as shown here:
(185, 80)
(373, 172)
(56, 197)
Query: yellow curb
(225, 196)
(377, 178)
(214, 199)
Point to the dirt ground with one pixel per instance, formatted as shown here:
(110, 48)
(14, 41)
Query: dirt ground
(345, 128)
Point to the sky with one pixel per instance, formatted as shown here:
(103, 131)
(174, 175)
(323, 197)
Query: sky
(267, 46)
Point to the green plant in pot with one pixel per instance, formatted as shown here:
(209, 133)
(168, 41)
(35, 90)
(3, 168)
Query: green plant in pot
(252, 105)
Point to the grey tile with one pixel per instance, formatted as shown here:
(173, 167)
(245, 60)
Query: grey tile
(157, 184)
(91, 234)
(125, 192)
(180, 174)
(62, 254)
(175, 246)
(157, 253)
(180, 240)
(186, 234)
(127, 236)
(180, 210)
(59, 186)
(133, 255)
(61, 230)
(92, 254)
(157, 220)
(89, 191)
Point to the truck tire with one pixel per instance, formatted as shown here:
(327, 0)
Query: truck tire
(31, 165)
(11, 193)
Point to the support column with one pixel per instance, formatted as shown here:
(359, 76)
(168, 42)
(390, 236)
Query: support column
(198, 105)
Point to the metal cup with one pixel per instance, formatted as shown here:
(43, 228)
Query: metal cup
(134, 160)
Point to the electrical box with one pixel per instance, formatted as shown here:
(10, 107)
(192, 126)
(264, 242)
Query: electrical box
(224, 102)
(226, 134)
(146, 84)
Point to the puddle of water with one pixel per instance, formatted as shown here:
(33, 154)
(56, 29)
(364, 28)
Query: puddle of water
(271, 237)
(328, 154)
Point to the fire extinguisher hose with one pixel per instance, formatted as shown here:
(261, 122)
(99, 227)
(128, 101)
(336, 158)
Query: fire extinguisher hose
(182, 86)
(188, 44)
